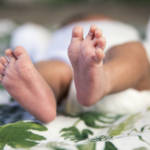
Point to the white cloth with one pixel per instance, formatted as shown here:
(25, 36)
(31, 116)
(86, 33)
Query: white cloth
(34, 38)
(128, 101)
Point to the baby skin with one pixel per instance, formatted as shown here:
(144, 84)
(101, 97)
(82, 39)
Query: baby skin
(26, 86)
(23, 82)
(86, 56)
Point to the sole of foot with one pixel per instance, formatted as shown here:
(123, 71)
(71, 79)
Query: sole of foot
(86, 56)
(26, 86)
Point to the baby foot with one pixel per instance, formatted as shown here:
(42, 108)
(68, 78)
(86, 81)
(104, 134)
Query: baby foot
(86, 56)
(26, 86)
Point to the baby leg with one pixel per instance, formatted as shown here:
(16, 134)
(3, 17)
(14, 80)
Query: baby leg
(125, 66)
(58, 76)
(86, 56)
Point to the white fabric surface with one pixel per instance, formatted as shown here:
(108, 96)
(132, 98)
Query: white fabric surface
(128, 101)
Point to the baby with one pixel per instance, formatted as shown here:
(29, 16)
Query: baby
(38, 88)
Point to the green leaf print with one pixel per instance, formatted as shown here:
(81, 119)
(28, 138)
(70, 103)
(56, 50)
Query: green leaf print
(17, 135)
(90, 119)
(58, 148)
(110, 146)
(74, 134)
(141, 148)
(140, 138)
(133, 130)
(1, 87)
(101, 138)
(125, 125)
(142, 129)
(88, 146)
(148, 109)
(56, 145)
(85, 133)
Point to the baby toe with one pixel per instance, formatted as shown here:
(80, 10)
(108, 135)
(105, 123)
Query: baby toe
(102, 43)
(9, 53)
(91, 33)
(4, 61)
(99, 55)
(97, 36)
(20, 51)
(98, 33)
(1, 69)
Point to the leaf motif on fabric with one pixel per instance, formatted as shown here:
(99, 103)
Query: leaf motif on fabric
(125, 125)
(110, 146)
(148, 109)
(90, 119)
(56, 145)
(17, 135)
(74, 134)
(1, 87)
(143, 128)
(101, 138)
(140, 138)
(133, 130)
(88, 146)
(141, 148)
(58, 148)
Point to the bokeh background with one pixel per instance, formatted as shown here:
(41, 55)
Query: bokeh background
(51, 13)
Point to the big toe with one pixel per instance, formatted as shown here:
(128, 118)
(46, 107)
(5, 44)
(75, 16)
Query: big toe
(77, 33)
(20, 52)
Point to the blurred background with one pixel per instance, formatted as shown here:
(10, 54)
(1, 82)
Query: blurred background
(51, 13)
